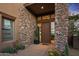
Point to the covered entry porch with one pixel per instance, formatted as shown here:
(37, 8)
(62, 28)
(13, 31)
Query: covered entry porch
(45, 15)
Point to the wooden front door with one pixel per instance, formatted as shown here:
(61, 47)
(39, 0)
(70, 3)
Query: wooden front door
(45, 33)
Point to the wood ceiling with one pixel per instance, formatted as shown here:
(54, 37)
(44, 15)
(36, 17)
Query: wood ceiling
(36, 8)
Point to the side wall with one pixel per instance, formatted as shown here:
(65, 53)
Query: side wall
(25, 24)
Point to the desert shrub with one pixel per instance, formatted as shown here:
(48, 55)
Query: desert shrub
(13, 49)
(9, 50)
(54, 53)
(19, 47)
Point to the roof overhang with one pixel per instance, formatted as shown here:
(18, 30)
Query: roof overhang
(39, 9)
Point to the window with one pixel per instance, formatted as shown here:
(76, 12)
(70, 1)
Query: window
(7, 29)
(52, 27)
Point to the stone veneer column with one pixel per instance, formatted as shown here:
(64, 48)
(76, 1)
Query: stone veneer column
(26, 27)
(61, 25)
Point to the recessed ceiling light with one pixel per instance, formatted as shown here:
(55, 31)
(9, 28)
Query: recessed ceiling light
(42, 7)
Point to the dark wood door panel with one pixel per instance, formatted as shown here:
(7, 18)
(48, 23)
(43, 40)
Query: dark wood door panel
(46, 35)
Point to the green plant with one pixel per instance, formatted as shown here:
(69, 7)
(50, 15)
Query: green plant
(66, 51)
(9, 50)
(52, 35)
(37, 32)
(36, 40)
(19, 47)
(54, 53)
(74, 17)
(73, 30)
(76, 31)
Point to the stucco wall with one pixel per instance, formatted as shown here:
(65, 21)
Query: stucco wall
(24, 23)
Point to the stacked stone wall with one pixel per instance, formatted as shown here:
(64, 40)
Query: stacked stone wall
(61, 25)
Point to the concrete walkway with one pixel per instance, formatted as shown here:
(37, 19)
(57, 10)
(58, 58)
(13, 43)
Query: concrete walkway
(74, 52)
(34, 50)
